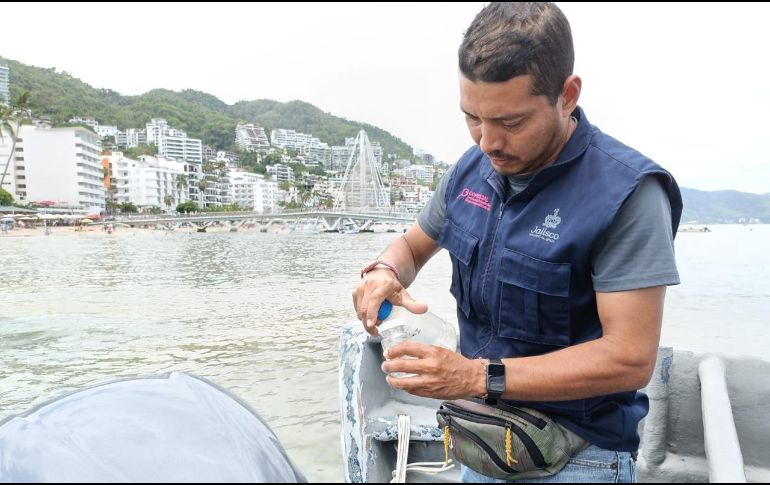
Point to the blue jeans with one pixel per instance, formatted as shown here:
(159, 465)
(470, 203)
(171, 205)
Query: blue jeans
(591, 465)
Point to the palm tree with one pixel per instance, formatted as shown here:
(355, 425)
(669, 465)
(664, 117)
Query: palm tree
(168, 200)
(181, 182)
(9, 115)
(181, 185)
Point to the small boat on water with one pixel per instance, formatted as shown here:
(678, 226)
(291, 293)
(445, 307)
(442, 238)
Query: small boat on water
(707, 420)
(348, 228)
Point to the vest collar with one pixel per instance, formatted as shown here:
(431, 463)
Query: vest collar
(572, 151)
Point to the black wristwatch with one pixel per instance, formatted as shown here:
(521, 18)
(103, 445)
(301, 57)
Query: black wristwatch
(495, 381)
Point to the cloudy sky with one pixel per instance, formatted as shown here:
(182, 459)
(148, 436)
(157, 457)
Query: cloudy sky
(684, 84)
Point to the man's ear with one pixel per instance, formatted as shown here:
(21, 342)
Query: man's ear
(570, 93)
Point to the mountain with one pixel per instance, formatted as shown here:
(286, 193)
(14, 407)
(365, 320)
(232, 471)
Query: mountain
(724, 206)
(60, 96)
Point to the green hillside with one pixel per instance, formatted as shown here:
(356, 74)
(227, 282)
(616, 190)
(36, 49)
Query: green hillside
(724, 206)
(61, 96)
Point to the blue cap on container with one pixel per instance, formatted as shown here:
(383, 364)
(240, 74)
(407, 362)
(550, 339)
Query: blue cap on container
(385, 308)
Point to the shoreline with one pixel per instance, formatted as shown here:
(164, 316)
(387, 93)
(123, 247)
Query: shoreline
(94, 231)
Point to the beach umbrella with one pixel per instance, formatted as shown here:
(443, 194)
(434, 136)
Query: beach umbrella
(7, 219)
(86, 221)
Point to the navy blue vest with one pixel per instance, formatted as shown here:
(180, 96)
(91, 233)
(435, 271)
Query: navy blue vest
(522, 269)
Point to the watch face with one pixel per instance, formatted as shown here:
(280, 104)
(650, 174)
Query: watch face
(495, 378)
(496, 369)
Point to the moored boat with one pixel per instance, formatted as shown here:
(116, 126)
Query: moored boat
(707, 419)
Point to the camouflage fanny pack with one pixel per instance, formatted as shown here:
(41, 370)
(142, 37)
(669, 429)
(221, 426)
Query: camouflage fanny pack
(504, 441)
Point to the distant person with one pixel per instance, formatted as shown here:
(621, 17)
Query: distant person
(561, 241)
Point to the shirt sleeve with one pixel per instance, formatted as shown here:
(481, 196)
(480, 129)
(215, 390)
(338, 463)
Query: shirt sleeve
(638, 249)
(433, 215)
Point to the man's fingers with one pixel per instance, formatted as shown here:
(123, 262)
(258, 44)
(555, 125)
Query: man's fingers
(404, 299)
(409, 347)
(361, 305)
(407, 366)
(373, 307)
(411, 385)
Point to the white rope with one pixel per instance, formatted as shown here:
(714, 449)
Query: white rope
(431, 468)
(404, 428)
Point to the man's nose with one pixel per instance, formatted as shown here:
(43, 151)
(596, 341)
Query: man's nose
(491, 139)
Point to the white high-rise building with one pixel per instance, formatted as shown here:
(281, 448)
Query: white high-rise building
(243, 186)
(281, 172)
(5, 85)
(158, 127)
(82, 120)
(252, 192)
(149, 181)
(181, 148)
(63, 165)
(101, 130)
(106, 130)
(14, 181)
(131, 138)
(266, 197)
(303, 143)
(423, 173)
(290, 139)
(318, 151)
(251, 137)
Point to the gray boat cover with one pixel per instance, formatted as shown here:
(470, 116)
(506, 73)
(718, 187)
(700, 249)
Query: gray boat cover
(173, 428)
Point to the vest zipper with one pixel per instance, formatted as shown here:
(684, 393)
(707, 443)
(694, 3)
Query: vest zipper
(489, 262)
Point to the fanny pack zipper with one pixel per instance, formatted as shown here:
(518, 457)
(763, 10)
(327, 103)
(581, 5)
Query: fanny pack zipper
(534, 452)
(534, 420)
(487, 449)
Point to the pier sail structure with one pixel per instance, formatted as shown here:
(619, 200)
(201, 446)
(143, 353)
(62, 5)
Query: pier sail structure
(362, 189)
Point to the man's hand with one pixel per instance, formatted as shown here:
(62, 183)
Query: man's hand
(408, 253)
(441, 373)
(378, 285)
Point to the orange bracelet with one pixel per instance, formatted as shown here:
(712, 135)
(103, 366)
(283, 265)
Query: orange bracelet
(381, 262)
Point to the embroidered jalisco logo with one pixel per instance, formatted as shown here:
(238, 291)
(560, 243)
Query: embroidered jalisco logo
(552, 221)
(475, 198)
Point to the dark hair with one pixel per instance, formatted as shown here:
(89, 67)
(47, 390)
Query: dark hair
(509, 39)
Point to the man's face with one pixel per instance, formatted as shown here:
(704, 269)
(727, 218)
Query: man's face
(519, 132)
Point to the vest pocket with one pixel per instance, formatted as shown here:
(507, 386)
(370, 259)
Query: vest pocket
(461, 245)
(534, 299)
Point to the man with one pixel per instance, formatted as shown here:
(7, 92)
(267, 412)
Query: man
(561, 240)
